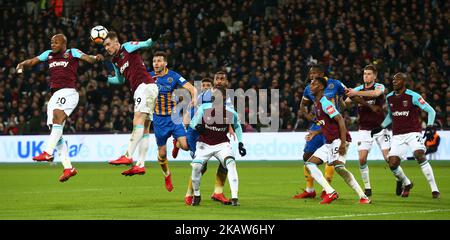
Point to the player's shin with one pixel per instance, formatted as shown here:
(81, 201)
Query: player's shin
(164, 165)
(143, 149)
(190, 189)
(221, 177)
(329, 172)
(233, 177)
(309, 180)
(63, 154)
(136, 136)
(400, 175)
(55, 135)
(318, 176)
(429, 175)
(350, 180)
(364, 169)
(196, 177)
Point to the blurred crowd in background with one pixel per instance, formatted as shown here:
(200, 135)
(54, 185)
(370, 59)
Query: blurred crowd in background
(261, 44)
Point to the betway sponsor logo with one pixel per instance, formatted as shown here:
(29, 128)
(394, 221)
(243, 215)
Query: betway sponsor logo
(400, 113)
(58, 64)
(124, 66)
(216, 129)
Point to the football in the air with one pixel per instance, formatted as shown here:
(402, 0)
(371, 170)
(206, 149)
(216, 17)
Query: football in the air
(98, 34)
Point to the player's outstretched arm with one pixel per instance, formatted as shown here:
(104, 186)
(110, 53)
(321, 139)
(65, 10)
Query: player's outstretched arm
(370, 93)
(196, 120)
(133, 46)
(27, 63)
(91, 58)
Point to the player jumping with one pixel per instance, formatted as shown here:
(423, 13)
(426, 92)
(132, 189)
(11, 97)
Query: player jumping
(404, 113)
(128, 65)
(63, 65)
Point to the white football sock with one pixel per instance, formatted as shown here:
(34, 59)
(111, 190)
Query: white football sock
(233, 178)
(136, 136)
(318, 176)
(196, 177)
(364, 169)
(350, 180)
(63, 153)
(400, 175)
(54, 137)
(429, 175)
(143, 149)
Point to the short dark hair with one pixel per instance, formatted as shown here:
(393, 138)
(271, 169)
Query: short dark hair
(371, 68)
(112, 35)
(317, 67)
(207, 79)
(222, 73)
(322, 81)
(160, 54)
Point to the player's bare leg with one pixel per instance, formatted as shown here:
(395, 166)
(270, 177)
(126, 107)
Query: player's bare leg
(164, 163)
(406, 184)
(178, 143)
(427, 172)
(364, 169)
(317, 175)
(221, 176)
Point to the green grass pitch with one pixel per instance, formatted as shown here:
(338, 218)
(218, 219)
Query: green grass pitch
(99, 191)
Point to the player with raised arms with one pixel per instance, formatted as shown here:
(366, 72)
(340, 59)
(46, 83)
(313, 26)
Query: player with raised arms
(63, 66)
(129, 65)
